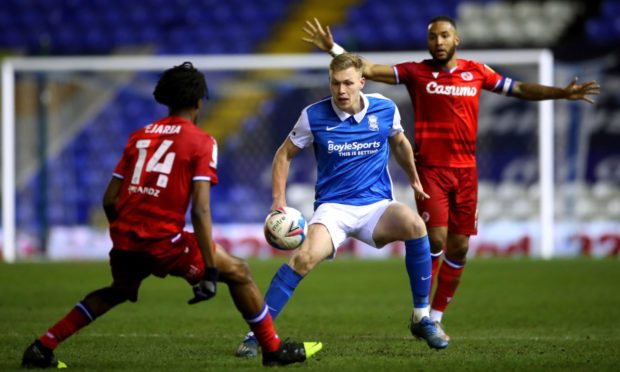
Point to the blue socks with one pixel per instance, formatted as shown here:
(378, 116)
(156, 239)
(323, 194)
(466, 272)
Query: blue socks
(281, 289)
(418, 262)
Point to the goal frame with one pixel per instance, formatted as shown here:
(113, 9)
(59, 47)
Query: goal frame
(543, 58)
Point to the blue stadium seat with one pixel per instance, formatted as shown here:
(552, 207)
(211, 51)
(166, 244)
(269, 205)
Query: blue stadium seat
(610, 8)
(103, 25)
(600, 31)
(399, 25)
(197, 27)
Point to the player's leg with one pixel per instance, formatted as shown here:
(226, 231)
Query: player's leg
(437, 237)
(449, 276)
(326, 231)
(247, 298)
(462, 223)
(319, 244)
(438, 183)
(128, 271)
(399, 222)
(184, 259)
(249, 301)
(317, 247)
(235, 273)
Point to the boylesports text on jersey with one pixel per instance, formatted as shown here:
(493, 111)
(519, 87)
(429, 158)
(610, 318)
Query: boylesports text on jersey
(353, 148)
(450, 90)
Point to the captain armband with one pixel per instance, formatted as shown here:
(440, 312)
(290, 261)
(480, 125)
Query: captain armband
(507, 85)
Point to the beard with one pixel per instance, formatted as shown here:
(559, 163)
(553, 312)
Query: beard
(443, 61)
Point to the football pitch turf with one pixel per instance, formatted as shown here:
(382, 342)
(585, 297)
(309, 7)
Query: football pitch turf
(509, 315)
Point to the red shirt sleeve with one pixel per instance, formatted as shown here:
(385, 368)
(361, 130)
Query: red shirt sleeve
(206, 162)
(121, 170)
(495, 82)
(405, 73)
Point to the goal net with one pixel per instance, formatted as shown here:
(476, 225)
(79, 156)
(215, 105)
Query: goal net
(65, 121)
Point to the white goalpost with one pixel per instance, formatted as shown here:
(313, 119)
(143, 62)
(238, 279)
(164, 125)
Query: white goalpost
(543, 59)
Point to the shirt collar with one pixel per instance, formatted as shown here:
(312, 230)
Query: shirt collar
(345, 115)
(453, 69)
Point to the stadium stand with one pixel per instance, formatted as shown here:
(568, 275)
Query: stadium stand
(51, 27)
(604, 28)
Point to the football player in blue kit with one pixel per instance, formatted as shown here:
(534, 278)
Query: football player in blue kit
(352, 134)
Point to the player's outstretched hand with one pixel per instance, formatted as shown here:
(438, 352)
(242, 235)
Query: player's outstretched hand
(321, 38)
(206, 288)
(581, 92)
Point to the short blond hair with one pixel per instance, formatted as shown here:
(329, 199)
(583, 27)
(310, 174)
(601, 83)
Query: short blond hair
(345, 60)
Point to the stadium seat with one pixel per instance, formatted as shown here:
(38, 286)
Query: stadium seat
(533, 192)
(105, 25)
(599, 31)
(520, 210)
(510, 191)
(605, 192)
(490, 210)
(610, 7)
(587, 210)
(486, 190)
(577, 190)
(515, 24)
(612, 210)
(301, 196)
(102, 26)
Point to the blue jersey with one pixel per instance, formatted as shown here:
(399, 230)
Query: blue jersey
(352, 151)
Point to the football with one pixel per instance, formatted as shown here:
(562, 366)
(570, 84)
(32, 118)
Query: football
(285, 228)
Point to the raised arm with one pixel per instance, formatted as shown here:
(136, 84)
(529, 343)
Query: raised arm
(279, 172)
(322, 38)
(403, 153)
(573, 91)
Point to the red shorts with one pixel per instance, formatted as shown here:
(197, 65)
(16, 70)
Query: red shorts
(180, 257)
(454, 198)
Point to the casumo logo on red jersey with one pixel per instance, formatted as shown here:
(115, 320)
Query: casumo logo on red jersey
(450, 90)
(347, 146)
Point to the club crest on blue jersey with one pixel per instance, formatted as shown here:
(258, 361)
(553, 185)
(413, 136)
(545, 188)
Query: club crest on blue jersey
(373, 123)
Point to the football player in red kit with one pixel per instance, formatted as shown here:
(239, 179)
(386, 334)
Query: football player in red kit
(164, 166)
(445, 92)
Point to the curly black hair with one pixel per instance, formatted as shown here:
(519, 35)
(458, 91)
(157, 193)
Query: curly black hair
(181, 87)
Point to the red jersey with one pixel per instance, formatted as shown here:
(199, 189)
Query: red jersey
(158, 166)
(445, 103)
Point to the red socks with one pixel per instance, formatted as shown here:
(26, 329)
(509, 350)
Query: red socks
(435, 261)
(448, 280)
(76, 319)
(265, 333)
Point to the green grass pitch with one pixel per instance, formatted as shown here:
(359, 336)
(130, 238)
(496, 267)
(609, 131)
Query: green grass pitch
(509, 315)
